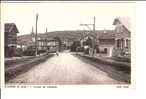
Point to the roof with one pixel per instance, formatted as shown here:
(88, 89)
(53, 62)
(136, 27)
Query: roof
(27, 39)
(102, 34)
(123, 20)
(107, 36)
(9, 27)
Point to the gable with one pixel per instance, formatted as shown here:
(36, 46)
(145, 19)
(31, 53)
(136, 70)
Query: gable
(11, 27)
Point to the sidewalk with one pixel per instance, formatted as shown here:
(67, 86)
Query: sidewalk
(105, 60)
(16, 66)
(23, 57)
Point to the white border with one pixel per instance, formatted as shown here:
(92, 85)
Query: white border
(85, 92)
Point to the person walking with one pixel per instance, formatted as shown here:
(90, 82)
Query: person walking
(57, 53)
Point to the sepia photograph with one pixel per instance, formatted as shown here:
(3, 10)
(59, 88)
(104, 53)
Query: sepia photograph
(68, 43)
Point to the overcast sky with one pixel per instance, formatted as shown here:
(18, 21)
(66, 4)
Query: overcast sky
(64, 16)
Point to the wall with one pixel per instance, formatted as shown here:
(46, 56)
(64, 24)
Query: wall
(109, 49)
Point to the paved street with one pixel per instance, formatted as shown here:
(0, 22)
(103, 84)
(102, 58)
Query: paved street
(65, 69)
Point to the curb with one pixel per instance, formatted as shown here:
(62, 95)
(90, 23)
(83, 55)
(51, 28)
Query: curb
(118, 66)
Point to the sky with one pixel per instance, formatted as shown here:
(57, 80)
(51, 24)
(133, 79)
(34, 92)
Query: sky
(64, 16)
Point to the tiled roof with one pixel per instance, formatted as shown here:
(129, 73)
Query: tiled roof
(107, 36)
(102, 34)
(27, 39)
(10, 26)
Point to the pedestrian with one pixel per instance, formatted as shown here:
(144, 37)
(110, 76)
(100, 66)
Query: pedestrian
(57, 53)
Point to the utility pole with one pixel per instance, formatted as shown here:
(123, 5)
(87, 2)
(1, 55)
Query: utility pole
(46, 30)
(32, 30)
(88, 26)
(46, 41)
(94, 19)
(93, 42)
(36, 45)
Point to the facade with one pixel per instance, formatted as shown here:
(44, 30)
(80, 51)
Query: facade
(122, 37)
(67, 43)
(26, 41)
(102, 41)
(46, 44)
(107, 43)
(118, 42)
(10, 39)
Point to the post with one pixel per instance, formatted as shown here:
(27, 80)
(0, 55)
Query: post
(93, 42)
(32, 30)
(36, 49)
(94, 24)
(46, 30)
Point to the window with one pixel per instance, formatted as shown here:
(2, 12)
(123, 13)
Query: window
(118, 43)
(127, 43)
(105, 50)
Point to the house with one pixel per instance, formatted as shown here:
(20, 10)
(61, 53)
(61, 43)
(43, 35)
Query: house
(122, 37)
(102, 41)
(106, 42)
(48, 44)
(90, 41)
(26, 41)
(67, 43)
(116, 42)
(10, 39)
(44, 43)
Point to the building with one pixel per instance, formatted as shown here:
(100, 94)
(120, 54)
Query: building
(117, 42)
(48, 44)
(66, 43)
(102, 41)
(107, 43)
(10, 39)
(44, 43)
(25, 41)
(89, 42)
(122, 37)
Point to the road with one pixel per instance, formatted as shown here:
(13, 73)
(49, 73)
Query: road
(65, 69)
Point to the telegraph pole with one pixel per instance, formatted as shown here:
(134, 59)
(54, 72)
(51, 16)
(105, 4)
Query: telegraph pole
(93, 42)
(87, 25)
(32, 30)
(46, 30)
(46, 40)
(36, 45)
(94, 19)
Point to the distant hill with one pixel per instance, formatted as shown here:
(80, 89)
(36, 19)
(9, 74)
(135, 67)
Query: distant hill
(66, 35)
(63, 35)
